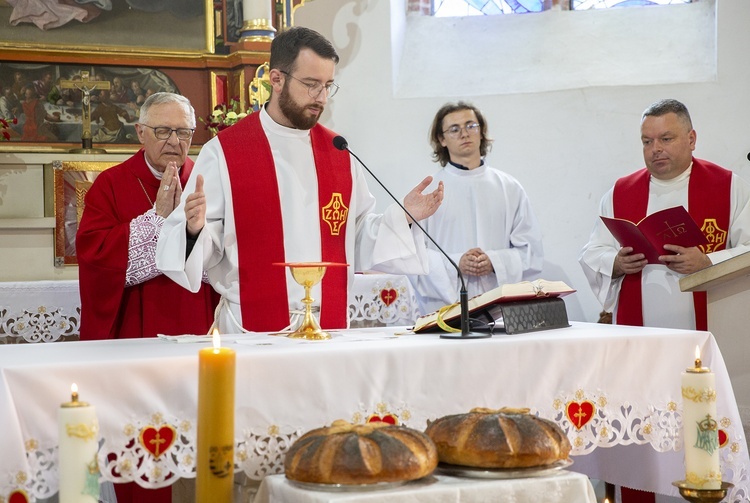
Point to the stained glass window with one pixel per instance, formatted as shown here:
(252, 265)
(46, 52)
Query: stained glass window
(608, 4)
(447, 8)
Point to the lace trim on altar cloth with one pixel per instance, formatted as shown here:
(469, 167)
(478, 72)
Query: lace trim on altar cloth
(144, 232)
(387, 302)
(43, 324)
(158, 449)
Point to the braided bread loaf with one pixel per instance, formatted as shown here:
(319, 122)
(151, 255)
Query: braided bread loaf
(505, 438)
(360, 454)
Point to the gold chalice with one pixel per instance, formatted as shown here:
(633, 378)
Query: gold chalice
(309, 274)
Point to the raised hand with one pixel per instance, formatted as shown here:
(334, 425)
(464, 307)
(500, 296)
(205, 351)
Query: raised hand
(421, 205)
(195, 209)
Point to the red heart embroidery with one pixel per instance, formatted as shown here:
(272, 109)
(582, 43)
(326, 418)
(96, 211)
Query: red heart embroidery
(388, 296)
(157, 441)
(580, 413)
(18, 496)
(723, 438)
(388, 418)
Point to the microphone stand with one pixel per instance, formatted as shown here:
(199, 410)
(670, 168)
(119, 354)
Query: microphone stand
(463, 295)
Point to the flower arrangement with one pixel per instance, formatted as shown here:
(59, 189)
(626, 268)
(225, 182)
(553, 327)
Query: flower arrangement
(5, 128)
(224, 116)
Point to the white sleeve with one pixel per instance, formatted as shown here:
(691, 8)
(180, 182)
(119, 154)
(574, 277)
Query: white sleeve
(598, 258)
(385, 243)
(738, 240)
(208, 249)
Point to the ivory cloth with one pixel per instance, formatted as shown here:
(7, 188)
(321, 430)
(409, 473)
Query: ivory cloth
(626, 379)
(565, 487)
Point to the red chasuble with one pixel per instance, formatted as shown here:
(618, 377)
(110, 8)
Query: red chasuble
(108, 309)
(260, 234)
(709, 201)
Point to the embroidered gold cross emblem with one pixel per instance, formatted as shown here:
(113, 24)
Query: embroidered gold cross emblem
(714, 234)
(335, 213)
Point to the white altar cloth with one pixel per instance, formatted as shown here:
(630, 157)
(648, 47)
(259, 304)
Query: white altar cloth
(50, 311)
(566, 487)
(625, 381)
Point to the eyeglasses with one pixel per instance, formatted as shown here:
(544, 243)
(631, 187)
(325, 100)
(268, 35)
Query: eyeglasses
(455, 130)
(163, 132)
(314, 89)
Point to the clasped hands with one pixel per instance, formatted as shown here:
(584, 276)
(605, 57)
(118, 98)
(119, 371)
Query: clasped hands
(169, 193)
(685, 260)
(475, 263)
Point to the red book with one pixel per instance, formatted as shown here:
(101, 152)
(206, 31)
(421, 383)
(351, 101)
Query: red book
(672, 226)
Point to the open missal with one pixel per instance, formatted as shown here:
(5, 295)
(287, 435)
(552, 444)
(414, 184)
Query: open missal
(672, 226)
(511, 292)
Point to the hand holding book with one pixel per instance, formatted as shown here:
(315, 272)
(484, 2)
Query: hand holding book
(672, 226)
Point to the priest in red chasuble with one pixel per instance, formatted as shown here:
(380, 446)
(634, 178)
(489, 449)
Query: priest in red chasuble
(642, 294)
(273, 188)
(123, 295)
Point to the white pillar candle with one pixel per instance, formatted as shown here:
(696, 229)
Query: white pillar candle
(256, 9)
(78, 444)
(700, 427)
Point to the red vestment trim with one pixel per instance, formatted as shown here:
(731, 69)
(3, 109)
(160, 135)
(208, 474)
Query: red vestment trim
(709, 196)
(260, 234)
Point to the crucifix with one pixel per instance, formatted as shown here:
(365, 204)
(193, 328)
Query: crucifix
(85, 86)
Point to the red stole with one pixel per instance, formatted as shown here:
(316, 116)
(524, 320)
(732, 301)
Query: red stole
(260, 234)
(709, 201)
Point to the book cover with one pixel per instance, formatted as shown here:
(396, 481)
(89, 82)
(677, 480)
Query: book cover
(510, 292)
(672, 226)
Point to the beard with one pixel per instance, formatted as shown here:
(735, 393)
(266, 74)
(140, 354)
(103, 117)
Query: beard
(295, 112)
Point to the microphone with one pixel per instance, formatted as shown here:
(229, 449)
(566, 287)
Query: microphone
(340, 143)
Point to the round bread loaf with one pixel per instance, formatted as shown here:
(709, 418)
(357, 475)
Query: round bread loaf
(360, 454)
(505, 438)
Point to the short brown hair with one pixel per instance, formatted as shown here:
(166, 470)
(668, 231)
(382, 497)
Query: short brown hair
(286, 47)
(439, 152)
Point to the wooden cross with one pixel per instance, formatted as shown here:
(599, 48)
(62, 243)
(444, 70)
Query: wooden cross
(86, 86)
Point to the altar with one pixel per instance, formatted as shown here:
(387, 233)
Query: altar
(614, 390)
(50, 311)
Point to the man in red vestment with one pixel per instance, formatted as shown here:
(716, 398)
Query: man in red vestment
(643, 294)
(123, 295)
(278, 190)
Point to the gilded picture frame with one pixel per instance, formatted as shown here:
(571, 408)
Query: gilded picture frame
(70, 182)
(131, 28)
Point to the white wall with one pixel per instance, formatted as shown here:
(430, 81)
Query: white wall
(566, 146)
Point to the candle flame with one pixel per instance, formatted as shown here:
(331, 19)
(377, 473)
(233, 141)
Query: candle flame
(606, 500)
(697, 352)
(216, 339)
(74, 388)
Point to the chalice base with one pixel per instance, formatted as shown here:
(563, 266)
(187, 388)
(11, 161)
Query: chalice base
(310, 330)
(697, 495)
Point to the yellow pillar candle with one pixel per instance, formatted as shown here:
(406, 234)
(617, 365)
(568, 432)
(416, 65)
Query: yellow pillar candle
(215, 463)
(700, 426)
(78, 444)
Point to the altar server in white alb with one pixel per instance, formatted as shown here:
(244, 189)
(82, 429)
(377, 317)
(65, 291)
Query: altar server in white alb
(486, 223)
(642, 294)
(273, 188)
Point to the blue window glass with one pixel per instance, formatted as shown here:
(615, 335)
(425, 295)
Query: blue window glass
(609, 4)
(487, 7)
(447, 8)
